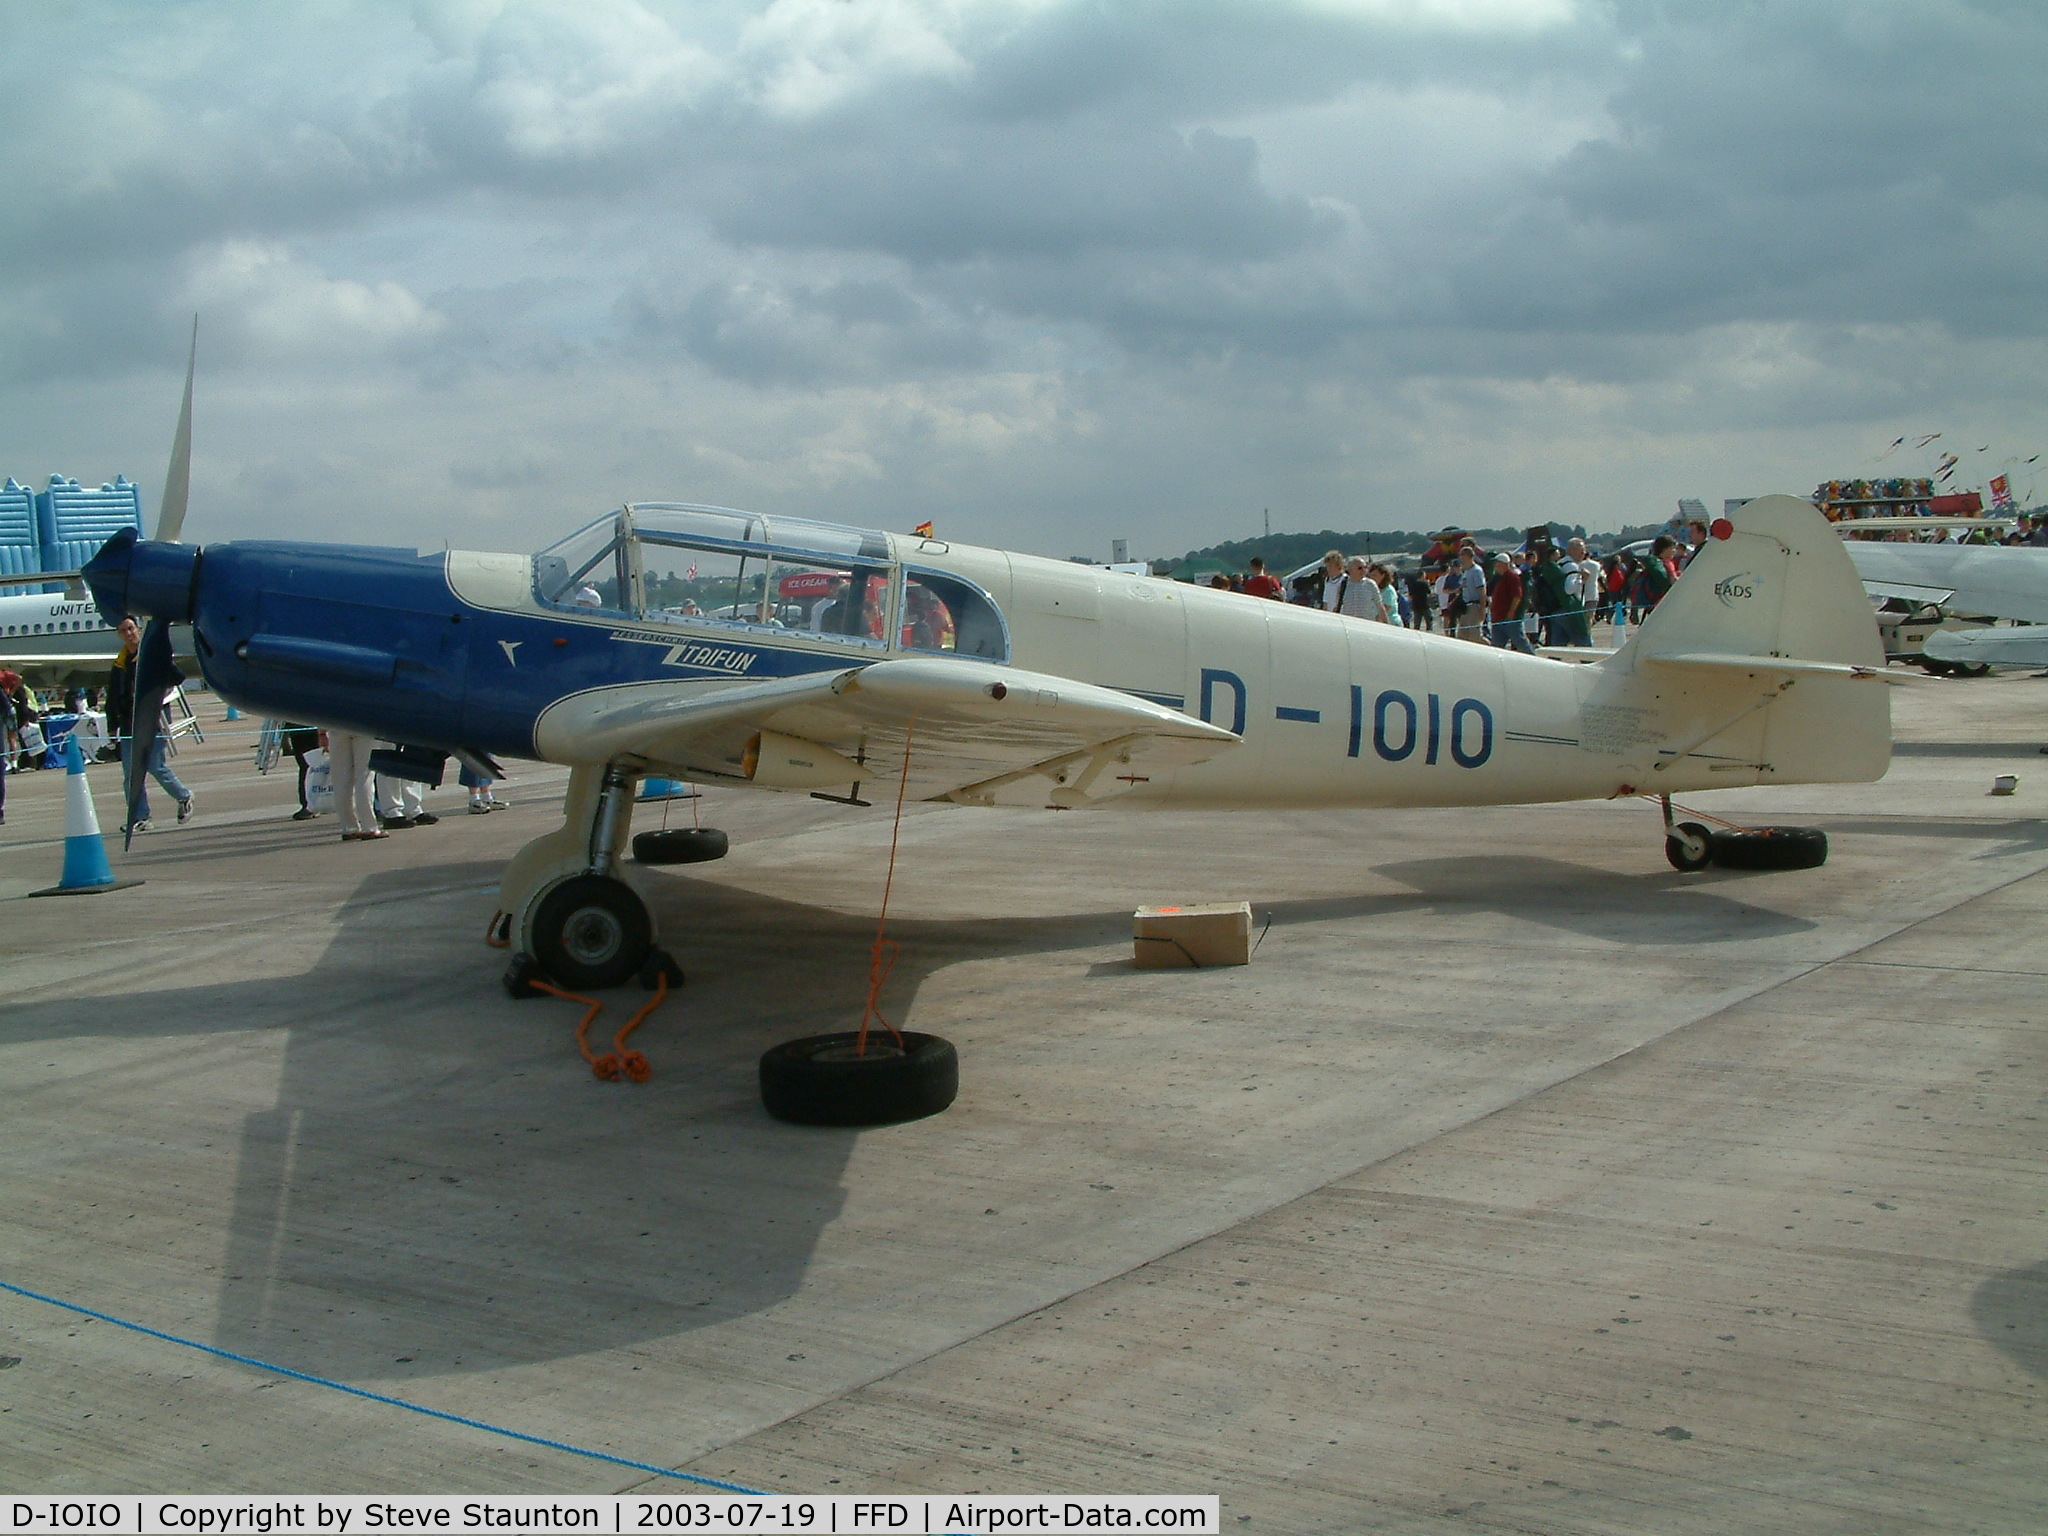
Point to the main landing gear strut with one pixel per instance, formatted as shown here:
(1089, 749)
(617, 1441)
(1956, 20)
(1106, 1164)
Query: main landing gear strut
(574, 915)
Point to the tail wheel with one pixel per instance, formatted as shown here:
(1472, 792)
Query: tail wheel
(1770, 848)
(827, 1080)
(591, 931)
(1689, 847)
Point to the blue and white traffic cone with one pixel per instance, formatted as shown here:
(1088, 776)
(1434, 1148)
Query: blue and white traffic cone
(232, 714)
(86, 870)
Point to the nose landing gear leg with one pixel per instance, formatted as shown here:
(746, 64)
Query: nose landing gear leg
(576, 919)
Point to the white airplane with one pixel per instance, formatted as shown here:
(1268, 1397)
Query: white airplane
(53, 639)
(1001, 679)
(1996, 581)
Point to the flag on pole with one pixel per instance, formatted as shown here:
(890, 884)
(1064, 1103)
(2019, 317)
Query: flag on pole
(923, 530)
(2001, 493)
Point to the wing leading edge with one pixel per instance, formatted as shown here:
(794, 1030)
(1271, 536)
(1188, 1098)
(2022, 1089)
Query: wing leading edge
(977, 734)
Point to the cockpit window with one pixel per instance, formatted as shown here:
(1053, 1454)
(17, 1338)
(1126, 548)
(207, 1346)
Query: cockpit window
(585, 570)
(711, 565)
(844, 598)
(686, 565)
(944, 613)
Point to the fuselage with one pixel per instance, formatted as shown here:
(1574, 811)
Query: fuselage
(52, 639)
(461, 650)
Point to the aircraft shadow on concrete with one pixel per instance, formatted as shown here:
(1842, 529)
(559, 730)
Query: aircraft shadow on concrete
(441, 1185)
(1596, 903)
(2011, 1311)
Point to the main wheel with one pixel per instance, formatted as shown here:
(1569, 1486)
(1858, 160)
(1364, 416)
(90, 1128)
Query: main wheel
(591, 931)
(1970, 668)
(820, 1080)
(1770, 848)
(1687, 846)
(1935, 668)
(680, 845)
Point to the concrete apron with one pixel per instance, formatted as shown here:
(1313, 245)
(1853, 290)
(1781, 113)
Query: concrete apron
(274, 1099)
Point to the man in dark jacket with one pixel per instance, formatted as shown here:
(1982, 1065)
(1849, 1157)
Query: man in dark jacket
(1547, 594)
(121, 726)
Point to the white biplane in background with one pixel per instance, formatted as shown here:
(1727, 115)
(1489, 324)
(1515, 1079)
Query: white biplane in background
(1984, 580)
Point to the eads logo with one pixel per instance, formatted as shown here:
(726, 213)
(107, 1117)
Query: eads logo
(1739, 588)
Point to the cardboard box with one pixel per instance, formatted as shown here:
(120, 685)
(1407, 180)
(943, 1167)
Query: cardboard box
(1219, 933)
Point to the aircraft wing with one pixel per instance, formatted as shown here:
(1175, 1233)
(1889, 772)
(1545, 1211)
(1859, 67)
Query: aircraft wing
(2024, 646)
(1998, 580)
(976, 733)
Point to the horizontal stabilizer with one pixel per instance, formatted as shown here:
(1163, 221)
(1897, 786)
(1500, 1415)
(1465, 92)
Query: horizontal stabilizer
(1780, 666)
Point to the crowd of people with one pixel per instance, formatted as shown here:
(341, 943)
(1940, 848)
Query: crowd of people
(22, 713)
(1539, 594)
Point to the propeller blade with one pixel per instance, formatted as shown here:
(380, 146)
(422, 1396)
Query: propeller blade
(170, 517)
(156, 674)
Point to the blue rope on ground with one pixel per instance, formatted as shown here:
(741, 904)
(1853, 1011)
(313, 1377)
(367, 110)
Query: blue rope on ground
(378, 1397)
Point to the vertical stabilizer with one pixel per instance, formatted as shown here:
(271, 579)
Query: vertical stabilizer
(1761, 665)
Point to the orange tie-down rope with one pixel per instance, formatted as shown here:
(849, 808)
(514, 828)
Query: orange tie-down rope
(619, 1061)
(882, 958)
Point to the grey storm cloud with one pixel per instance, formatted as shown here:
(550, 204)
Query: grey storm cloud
(892, 253)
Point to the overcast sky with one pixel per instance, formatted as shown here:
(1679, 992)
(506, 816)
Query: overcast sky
(1045, 273)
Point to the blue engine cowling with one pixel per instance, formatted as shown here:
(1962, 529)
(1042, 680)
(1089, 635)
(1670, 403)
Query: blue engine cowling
(364, 638)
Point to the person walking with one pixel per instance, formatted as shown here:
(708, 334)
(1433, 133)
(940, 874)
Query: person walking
(121, 726)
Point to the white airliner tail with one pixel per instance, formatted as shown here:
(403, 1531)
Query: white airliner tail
(1761, 665)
